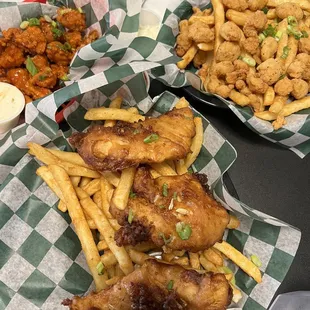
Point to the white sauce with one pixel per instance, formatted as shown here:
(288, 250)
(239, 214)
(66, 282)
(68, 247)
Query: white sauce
(12, 101)
(148, 31)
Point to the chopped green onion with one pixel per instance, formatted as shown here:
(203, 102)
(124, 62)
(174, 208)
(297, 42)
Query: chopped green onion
(278, 35)
(23, 25)
(65, 77)
(233, 281)
(30, 66)
(136, 131)
(47, 18)
(265, 10)
(187, 117)
(165, 189)
(190, 170)
(100, 268)
(175, 195)
(248, 60)
(33, 22)
(286, 50)
(261, 37)
(184, 230)
(256, 261)
(170, 285)
(54, 24)
(166, 241)
(132, 194)
(270, 31)
(225, 269)
(292, 21)
(42, 77)
(304, 34)
(67, 46)
(65, 11)
(282, 77)
(57, 32)
(130, 216)
(80, 10)
(292, 31)
(162, 207)
(151, 138)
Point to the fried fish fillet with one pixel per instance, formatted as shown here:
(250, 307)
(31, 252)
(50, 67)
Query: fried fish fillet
(124, 145)
(149, 288)
(174, 211)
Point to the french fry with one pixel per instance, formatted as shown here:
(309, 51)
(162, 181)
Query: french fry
(279, 122)
(278, 104)
(236, 293)
(118, 271)
(92, 187)
(304, 4)
(108, 259)
(91, 224)
(154, 174)
(206, 46)
(194, 260)
(271, 14)
(115, 104)
(133, 110)
(81, 227)
(97, 199)
(206, 264)
(171, 164)
(163, 169)
(75, 181)
(233, 222)
(180, 166)
(168, 257)
(108, 232)
(182, 103)
(240, 260)
(284, 38)
(62, 206)
(269, 96)
(182, 261)
(213, 257)
(97, 114)
(114, 224)
(113, 280)
(239, 18)
(84, 181)
(70, 157)
(74, 170)
(295, 106)
(219, 17)
(121, 193)
(208, 20)
(239, 98)
(111, 272)
(144, 247)
(188, 57)
(105, 186)
(178, 253)
(42, 154)
(138, 257)
(266, 115)
(112, 178)
(102, 245)
(292, 44)
(196, 143)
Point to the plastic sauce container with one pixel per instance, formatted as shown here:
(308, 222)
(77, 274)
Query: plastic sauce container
(149, 24)
(12, 103)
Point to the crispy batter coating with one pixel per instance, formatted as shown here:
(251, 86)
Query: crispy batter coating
(304, 45)
(74, 38)
(200, 58)
(218, 87)
(283, 87)
(44, 78)
(228, 51)
(300, 88)
(270, 70)
(250, 45)
(32, 40)
(255, 5)
(59, 70)
(220, 69)
(71, 19)
(47, 30)
(40, 61)
(269, 48)
(91, 37)
(256, 103)
(289, 9)
(233, 77)
(296, 69)
(183, 40)
(255, 23)
(11, 57)
(256, 85)
(230, 31)
(199, 32)
(57, 53)
(238, 5)
(11, 33)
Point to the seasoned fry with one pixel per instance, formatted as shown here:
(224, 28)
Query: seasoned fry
(182, 103)
(213, 257)
(284, 38)
(133, 110)
(163, 169)
(180, 166)
(295, 106)
(70, 157)
(229, 276)
(154, 174)
(219, 17)
(97, 114)
(278, 104)
(236, 293)
(62, 206)
(239, 18)
(207, 265)
(111, 272)
(80, 224)
(182, 261)
(121, 193)
(292, 45)
(266, 115)
(144, 247)
(115, 104)
(107, 231)
(92, 187)
(112, 178)
(194, 260)
(233, 222)
(108, 259)
(84, 181)
(75, 181)
(105, 186)
(188, 57)
(269, 96)
(138, 257)
(102, 245)
(118, 271)
(209, 20)
(239, 98)
(206, 46)
(168, 257)
(239, 259)
(74, 170)
(113, 280)
(196, 143)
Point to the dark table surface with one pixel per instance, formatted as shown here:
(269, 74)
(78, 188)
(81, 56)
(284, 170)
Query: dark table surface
(267, 178)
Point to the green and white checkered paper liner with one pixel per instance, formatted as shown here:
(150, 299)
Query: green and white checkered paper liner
(41, 262)
(295, 135)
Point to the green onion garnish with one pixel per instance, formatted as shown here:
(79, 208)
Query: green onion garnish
(100, 268)
(23, 25)
(132, 194)
(80, 10)
(278, 35)
(151, 138)
(57, 32)
(165, 189)
(166, 241)
(175, 196)
(256, 261)
(184, 230)
(304, 34)
(33, 22)
(286, 50)
(65, 77)
(30, 66)
(130, 216)
(265, 10)
(270, 31)
(170, 285)
(282, 77)
(47, 19)
(162, 207)
(292, 21)
(248, 60)
(42, 77)
(136, 131)
(261, 37)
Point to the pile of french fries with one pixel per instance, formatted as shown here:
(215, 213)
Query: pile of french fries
(87, 196)
(283, 38)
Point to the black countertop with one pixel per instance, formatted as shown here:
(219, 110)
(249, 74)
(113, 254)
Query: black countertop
(266, 177)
